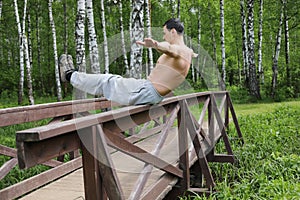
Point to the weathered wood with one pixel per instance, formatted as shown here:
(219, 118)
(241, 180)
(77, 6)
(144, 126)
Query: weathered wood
(39, 144)
(115, 141)
(39, 180)
(18, 115)
(33, 153)
(6, 167)
(141, 182)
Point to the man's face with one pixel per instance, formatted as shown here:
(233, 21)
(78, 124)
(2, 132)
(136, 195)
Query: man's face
(167, 34)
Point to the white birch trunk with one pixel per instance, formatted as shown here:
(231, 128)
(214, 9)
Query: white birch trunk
(1, 5)
(137, 34)
(123, 39)
(222, 32)
(80, 43)
(21, 81)
(199, 44)
(260, 37)
(93, 46)
(52, 25)
(253, 83)
(27, 57)
(105, 44)
(244, 39)
(149, 35)
(276, 55)
(287, 44)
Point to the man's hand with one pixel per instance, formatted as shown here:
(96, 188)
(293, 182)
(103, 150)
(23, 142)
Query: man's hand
(148, 42)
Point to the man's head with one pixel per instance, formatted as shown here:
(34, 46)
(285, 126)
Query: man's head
(174, 24)
(172, 29)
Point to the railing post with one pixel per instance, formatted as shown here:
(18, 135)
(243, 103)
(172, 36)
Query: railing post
(183, 147)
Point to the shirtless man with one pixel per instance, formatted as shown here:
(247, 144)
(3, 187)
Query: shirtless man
(170, 71)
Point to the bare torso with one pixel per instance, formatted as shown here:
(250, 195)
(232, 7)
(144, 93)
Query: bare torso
(170, 72)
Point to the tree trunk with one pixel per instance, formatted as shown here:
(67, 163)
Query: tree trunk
(52, 25)
(123, 39)
(171, 3)
(41, 82)
(27, 51)
(21, 81)
(222, 32)
(199, 43)
(105, 45)
(149, 35)
(93, 46)
(276, 56)
(137, 34)
(213, 38)
(260, 37)
(178, 9)
(253, 83)
(65, 28)
(1, 5)
(287, 44)
(80, 44)
(245, 41)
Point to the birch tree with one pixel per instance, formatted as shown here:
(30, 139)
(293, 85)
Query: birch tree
(1, 5)
(212, 30)
(136, 34)
(253, 83)
(287, 43)
(276, 55)
(27, 57)
(80, 43)
(105, 44)
(52, 25)
(244, 39)
(93, 46)
(123, 39)
(21, 52)
(178, 9)
(149, 35)
(171, 3)
(199, 42)
(222, 33)
(260, 37)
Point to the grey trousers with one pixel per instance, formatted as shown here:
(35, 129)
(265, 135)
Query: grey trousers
(125, 91)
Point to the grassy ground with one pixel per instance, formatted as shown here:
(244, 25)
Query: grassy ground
(269, 161)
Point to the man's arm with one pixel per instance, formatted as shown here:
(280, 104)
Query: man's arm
(163, 47)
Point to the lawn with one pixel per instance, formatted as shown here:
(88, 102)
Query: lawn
(269, 161)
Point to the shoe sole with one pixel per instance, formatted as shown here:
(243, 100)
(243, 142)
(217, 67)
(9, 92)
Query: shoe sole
(62, 67)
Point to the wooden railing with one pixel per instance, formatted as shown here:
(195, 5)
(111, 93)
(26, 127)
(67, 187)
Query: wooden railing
(54, 113)
(95, 133)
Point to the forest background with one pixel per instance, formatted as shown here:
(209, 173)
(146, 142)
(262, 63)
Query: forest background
(253, 44)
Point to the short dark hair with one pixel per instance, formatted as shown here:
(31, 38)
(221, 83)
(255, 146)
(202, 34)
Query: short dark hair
(176, 24)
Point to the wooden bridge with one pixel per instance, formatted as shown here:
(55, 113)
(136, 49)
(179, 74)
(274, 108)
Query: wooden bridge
(135, 152)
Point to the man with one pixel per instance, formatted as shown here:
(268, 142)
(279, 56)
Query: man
(170, 71)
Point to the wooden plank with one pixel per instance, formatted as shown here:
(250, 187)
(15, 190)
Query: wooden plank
(141, 182)
(126, 147)
(18, 115)
(33, 153)
(11, 152)
(7, 166)
(39, 180)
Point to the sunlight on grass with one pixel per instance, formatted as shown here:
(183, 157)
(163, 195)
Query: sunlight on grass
(256, 108)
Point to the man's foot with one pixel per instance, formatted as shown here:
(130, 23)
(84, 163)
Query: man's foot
(66, 67)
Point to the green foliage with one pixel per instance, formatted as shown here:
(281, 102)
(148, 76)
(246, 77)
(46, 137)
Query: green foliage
(268, 166)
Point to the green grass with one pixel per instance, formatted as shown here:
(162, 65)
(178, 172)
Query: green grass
(269, 161)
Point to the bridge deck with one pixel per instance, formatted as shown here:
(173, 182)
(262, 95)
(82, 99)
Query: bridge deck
(128, 169)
